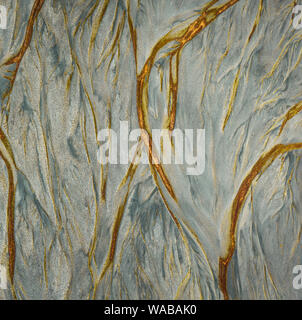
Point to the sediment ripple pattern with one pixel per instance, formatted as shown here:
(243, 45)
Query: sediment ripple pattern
(71, 228)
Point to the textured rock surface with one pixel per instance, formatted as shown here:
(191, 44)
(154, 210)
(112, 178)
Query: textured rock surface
(69, 227)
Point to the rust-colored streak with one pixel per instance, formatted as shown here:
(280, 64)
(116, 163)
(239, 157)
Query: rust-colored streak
(147, 139)
(290, 114)
(26, 42)
(182, 37)
(10, 218)
(10, 207)
(207, 16)
(7, 145)
(28, 34)
(116, 227)
(173, 87)
(95, 27)
(263, 163)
